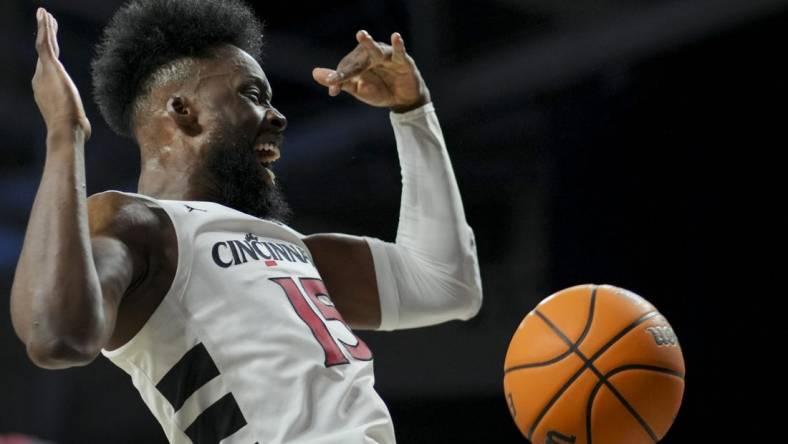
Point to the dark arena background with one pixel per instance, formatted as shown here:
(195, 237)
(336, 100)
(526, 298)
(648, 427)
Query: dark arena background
(629, 142)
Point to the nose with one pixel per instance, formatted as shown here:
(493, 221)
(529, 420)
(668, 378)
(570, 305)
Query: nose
(276, 120)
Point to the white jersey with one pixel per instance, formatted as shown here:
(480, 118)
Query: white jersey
(246, 346)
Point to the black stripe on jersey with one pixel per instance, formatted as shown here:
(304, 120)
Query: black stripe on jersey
(193, 371)
(217, 422)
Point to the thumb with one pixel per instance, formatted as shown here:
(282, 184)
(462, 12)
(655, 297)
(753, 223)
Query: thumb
(321, 76)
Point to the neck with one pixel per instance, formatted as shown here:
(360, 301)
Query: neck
(168, 167)
(162, 177)
(160, 186)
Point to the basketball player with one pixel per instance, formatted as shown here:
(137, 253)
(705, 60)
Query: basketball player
(233, 327)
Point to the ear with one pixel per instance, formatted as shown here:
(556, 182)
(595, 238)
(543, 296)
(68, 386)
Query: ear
(183, 112)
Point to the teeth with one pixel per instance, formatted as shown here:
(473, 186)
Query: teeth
(269, 152)
(266, 147)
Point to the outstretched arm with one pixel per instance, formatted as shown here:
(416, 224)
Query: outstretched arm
(68, 281)
(430, 274)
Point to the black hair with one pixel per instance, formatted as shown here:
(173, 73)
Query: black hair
(145, 35)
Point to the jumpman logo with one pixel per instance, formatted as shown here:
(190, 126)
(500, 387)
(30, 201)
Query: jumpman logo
(194, 209)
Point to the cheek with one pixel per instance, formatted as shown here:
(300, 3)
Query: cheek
(243, 115)
(237, 120)
(229, 110)
(225, 108)
(250, 117)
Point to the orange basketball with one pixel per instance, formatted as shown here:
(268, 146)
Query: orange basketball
(594, 364)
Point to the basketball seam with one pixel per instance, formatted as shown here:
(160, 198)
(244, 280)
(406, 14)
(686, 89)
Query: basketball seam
(572, 347)
(652, 368)
(588, 362)
(538, 364)
(606, 381)
(588, 410)
(626, 403)
(562, 356)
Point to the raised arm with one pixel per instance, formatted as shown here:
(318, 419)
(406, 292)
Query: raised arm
(69, 279)
(430, 274)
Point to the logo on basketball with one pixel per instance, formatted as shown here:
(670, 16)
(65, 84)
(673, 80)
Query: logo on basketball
(663, 335)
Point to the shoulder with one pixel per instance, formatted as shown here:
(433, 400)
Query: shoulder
(124, 217)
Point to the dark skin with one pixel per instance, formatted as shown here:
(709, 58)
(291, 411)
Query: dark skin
(108, 260)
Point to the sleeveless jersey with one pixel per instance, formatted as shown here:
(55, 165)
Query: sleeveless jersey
(246, 346)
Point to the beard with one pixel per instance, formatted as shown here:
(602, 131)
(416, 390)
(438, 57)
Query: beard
(236, 179)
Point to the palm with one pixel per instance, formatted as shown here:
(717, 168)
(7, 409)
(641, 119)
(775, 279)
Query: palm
(387, 86)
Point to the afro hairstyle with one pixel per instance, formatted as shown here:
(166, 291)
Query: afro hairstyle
(145, 35)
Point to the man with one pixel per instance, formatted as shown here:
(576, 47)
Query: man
(227, 320)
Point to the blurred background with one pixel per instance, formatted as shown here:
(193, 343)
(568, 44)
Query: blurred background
(629, 142)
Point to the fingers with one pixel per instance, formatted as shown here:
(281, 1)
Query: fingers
(46, 36)
(42, 36)
(321, 75)
(366, 54)
(374, 51)
(52, 34)
(350, 66)
(350, 87)
(398, 48)
(55, 44)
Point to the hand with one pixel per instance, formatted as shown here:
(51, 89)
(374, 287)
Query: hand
(55, 93)
(377, 74)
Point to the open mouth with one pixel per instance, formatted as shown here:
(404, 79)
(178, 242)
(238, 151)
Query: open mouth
(267, 154)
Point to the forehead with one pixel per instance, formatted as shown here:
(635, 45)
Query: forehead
(229, 62)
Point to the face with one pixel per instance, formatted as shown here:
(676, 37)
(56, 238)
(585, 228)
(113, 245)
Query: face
(241, 135)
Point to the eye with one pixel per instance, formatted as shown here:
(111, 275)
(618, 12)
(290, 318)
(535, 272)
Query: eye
(254, 95)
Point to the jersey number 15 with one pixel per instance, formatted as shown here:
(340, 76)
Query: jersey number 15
(316, 292)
